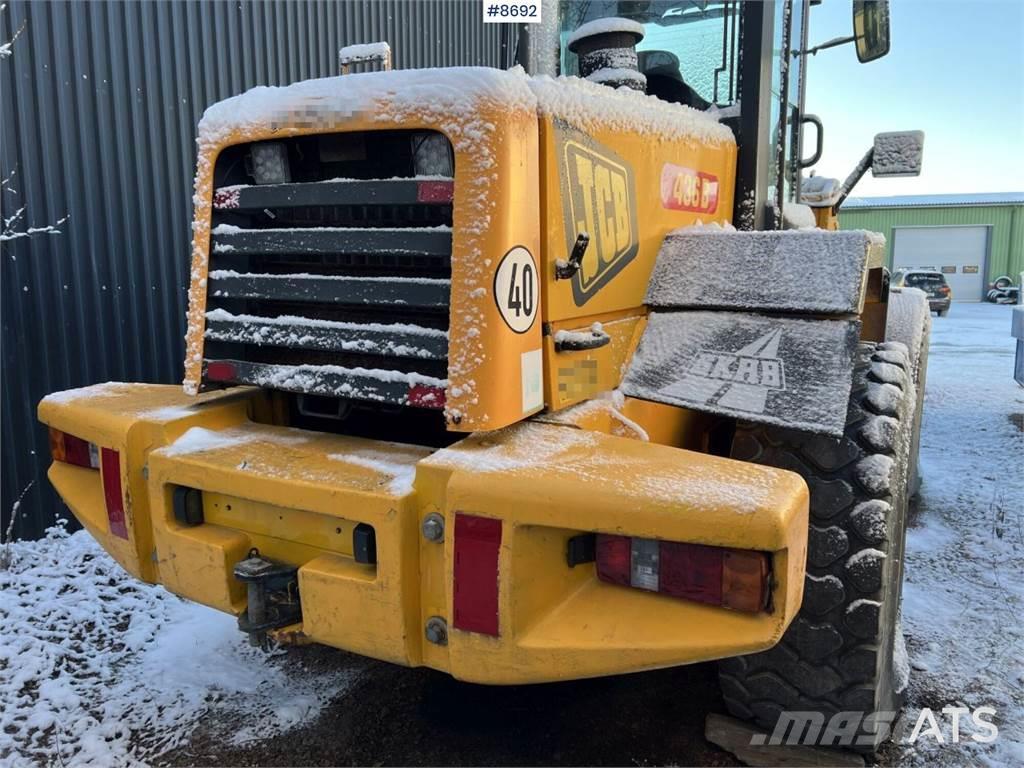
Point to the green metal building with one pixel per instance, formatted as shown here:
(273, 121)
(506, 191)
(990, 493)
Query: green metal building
(972, 238)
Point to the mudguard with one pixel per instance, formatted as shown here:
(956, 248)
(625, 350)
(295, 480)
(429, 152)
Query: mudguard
(760, 326)
(776, 370)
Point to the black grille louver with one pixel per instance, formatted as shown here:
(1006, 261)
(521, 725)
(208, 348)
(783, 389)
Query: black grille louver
(338, 287)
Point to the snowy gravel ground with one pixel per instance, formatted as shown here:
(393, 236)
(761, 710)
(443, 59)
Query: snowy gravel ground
(963, 595)
(98, 669)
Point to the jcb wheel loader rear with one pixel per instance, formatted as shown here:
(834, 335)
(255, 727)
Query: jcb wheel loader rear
(519, 375)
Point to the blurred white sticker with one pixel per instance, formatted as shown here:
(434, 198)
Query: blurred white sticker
(532, 369)
(522, 12)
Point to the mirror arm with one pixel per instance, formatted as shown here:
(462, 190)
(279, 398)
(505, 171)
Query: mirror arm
(855, 175)
(827, 44)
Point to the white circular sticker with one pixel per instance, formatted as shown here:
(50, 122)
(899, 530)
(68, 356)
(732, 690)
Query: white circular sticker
(515, 289)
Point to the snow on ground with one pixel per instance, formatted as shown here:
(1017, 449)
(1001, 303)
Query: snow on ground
(97, 668)
(963, 599)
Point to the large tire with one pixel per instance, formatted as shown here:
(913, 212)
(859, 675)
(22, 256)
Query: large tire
(910, 323)
(837, 656)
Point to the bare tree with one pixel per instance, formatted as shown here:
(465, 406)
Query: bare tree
(6, 555)
(14, 226)
(8, 48)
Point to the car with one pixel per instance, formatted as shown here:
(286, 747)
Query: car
(931, 281)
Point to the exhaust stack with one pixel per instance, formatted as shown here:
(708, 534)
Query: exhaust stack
(607, 52)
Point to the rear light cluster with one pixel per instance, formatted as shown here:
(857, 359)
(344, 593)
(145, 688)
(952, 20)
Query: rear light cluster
(69, 449)
(944, 289)
(73, 450)
(739, 579)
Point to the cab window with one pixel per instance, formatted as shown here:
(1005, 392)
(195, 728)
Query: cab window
(689, 52)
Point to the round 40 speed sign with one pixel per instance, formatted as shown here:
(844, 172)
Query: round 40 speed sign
(515, 289)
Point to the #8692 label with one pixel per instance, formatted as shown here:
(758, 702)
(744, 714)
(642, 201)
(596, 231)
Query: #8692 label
(522, 12)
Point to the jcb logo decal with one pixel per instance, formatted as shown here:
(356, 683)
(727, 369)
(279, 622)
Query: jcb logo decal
(598, 197)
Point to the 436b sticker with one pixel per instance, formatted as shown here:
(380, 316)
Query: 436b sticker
(515, 289)
(684, 189)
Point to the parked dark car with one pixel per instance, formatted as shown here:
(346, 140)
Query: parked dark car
(931, 282)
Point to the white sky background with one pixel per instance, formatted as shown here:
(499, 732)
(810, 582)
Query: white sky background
(955, 70)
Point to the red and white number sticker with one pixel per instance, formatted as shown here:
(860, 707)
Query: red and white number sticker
(684, 189)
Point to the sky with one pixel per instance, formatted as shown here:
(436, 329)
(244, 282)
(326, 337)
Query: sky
(955, 70)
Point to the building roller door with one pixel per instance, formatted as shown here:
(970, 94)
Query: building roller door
(958, 252)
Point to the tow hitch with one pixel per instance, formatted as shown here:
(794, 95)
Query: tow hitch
(273, 596)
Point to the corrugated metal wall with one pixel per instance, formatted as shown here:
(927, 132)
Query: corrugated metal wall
(1006, 247)
(100, 102)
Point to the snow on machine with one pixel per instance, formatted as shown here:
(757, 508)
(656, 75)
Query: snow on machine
(517, 375)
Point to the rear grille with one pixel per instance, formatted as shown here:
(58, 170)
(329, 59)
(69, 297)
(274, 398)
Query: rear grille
(336, 287)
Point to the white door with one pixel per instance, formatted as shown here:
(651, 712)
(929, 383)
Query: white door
(958, 252)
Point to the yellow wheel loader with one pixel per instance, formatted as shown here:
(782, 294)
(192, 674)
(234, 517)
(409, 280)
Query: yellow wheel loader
(537, 374)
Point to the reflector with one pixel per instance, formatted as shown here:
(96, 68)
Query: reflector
(423, 396)
(435, 191)
(220, 371)
(475, 598)
(110, 461)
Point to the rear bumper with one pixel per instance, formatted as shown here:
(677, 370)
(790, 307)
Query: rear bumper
(296, 496)
(938, 305)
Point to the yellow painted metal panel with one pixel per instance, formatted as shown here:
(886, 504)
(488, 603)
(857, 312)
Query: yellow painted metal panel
(630, 212)
(291, 491)
(572, 376)
(132, 419)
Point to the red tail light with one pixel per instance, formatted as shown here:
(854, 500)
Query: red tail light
(944, 289)
(691, 571)
(73, 450)
(112, 493)
(613, 559)
(732, 578)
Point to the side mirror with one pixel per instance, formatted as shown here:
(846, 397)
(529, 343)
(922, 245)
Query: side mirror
(871, 29)
(897, 154)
